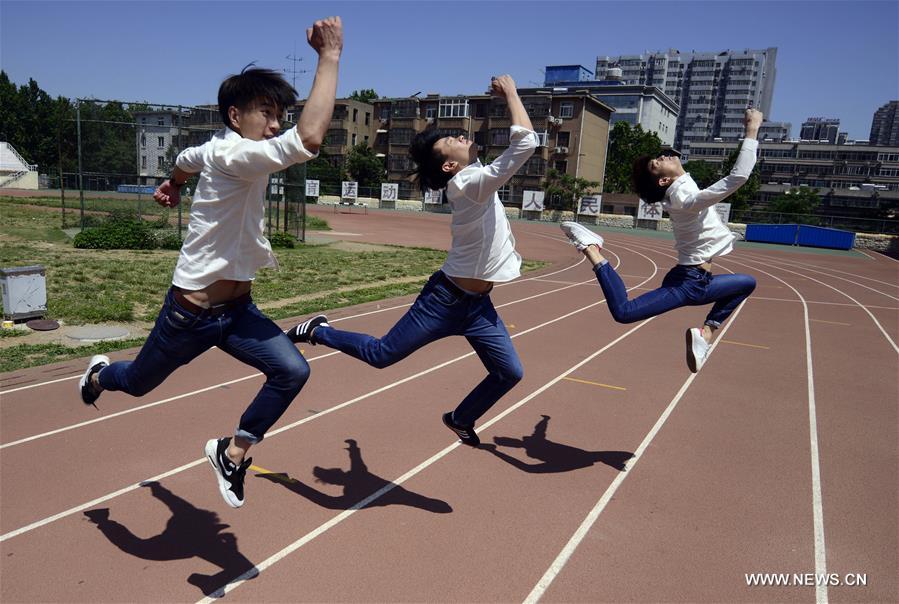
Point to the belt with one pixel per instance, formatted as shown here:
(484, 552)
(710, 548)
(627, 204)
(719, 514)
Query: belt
(214, 310)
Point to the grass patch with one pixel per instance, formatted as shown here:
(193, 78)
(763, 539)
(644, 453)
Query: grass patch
(100, 286)
(32, 355)
(12, 333)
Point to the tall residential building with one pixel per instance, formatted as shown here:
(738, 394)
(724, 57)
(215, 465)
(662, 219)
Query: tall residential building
(352, 123)
(885, 125)
(572, 126)
(820, 129)
(636, 104)
(774, 131)
(712, 89)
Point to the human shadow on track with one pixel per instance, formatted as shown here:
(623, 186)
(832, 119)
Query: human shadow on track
(554, 457)
(190, 533)
(358, 483)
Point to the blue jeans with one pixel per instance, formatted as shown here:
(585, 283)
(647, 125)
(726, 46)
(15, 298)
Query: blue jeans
(442, 310)
(180, 336)
(682, 286)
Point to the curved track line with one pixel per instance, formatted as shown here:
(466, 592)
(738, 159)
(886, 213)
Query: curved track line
(84, 506)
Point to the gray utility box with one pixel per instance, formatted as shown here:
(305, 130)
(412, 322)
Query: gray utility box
(24, 292)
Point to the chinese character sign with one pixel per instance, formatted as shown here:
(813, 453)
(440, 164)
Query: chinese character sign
(589, 206)
(432, 197)
(649, 211)
(723, 210)
(390, 191)
(349, 190)
(311, 188)
(533, 200)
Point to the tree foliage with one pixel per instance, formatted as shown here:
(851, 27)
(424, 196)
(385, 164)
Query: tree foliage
(627, 143)
(799, 200)
(564, 191)
(366, 95)
(364, 166)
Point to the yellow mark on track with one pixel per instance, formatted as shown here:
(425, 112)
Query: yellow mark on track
(570, 379)
(744, 344)
(279, 476)
(831, 322)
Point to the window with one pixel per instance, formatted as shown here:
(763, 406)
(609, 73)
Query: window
(143, 140)
(160, 142)
(367, 118)
(335, 136)
(143, 120)
(480, 109)
(399, 162)
(143, 162)
(562, 139)
(354, 137)
(407, 108)
(160, 121)
(454, 107)
(498, 109)
(499, 136)
(401, 136)
(385, 112)
(365, 140)
(566, 109)
(541, 139)
(561, 166)
(431, 111)
(355, 114)
(290, 117)
(505, 193)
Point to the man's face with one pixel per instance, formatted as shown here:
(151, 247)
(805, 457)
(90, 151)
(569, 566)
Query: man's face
(666, 168)
(259, 121)
(457, 152)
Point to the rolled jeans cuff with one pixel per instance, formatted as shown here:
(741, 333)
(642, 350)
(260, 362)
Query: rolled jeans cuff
(252, 438)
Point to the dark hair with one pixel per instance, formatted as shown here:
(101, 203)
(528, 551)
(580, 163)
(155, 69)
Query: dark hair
(251, 85)
(646, 184)
(428, 160)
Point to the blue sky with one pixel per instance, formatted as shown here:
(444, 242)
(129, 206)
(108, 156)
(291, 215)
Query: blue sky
(835, 58)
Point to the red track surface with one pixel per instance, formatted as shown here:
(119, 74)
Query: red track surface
(780, 456)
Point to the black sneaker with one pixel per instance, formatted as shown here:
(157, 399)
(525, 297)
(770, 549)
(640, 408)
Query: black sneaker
(465, 433)
(303, 332)
(229, 475)
(89, 392)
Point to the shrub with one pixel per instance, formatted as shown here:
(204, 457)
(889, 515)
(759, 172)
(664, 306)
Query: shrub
(117, 233)
(280, 239)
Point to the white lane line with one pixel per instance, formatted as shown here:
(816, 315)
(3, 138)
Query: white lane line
(76, 509)
(754, 297)
(568, 550)
(364, 314)
(247, 377)
(781, 264)
(817, 498)
(839, 291)
(283, 553)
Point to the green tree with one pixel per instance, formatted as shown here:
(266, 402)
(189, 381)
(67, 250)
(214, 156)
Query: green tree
(744, 197)
(626, 144)
(798, 200)
(564, 191)
(364, 166)
(703, 172)
(366, 95)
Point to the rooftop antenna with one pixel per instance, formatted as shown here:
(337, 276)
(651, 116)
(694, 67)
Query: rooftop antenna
(293, 70)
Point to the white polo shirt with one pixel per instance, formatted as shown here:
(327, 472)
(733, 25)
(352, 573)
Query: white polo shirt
(483, 246)
(699, 233)
(227, 217)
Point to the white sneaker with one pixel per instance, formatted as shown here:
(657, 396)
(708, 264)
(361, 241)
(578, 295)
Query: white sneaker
(89, 394)
(697, 349)
(580, 236)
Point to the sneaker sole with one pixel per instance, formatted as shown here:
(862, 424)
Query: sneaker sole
(691, 358)
(211, 454)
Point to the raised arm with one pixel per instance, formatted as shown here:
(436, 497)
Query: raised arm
(326, 37)
(481, 184)
(738, 176)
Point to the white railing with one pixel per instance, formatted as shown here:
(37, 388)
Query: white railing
(31, 167)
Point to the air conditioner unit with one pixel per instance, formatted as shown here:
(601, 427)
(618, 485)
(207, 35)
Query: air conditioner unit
(429, 120)
(557, 121)
(561, 150)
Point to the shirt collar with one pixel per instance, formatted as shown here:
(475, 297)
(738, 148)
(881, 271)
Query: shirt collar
(684, 180)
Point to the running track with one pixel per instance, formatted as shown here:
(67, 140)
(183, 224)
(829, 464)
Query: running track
(616, 476)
